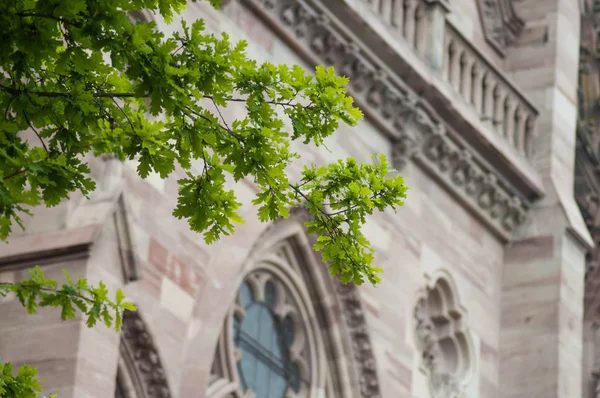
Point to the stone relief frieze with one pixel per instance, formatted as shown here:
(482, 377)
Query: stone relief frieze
(500, 23)
(417, 132)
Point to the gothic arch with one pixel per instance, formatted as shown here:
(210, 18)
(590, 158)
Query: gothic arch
(334, 311)
(140, 372)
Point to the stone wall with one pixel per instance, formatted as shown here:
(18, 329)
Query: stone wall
(184, 288)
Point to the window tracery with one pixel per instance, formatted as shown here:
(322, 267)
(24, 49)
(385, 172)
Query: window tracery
(443, 339)
(272, 346)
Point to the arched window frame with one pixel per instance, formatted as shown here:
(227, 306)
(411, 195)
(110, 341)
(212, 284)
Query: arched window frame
(346, 365)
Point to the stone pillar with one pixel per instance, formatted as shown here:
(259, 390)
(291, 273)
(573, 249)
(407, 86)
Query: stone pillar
(543, 276)
(74, 361)
(434, 40)
(541, 324)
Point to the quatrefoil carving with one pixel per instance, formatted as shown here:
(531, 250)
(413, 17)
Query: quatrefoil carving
(443, 339)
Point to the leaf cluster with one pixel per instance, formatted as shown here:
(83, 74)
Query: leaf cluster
(39, 291)
(82, 77)
(23, 385)
(93, 302)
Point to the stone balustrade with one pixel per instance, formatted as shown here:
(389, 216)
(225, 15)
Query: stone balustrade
(421, 25)
(491, 95)
(407, 17)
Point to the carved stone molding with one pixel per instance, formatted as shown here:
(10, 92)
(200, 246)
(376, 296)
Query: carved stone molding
(443, 340)
(141, 360)
(355, 322)
(500, 23)
(417, 131)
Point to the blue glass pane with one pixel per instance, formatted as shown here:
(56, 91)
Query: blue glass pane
(270, 295)
(277, 386)
(241, 375)
(245, 295)
(287, 332)
(264, 341)
(294, 379)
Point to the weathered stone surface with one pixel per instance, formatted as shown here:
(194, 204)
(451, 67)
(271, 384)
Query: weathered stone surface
(516, 263)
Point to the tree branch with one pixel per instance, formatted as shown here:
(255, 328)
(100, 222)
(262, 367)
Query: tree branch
(58, 19)
(14, 174)
(36, 132)
(52, 94)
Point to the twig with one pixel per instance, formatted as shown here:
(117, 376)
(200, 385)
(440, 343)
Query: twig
(58, 19)
(125, 114)
(220, 114)
(35, 131)
(14, 174)
(52, 94)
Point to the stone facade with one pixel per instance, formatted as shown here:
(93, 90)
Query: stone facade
(482, 294)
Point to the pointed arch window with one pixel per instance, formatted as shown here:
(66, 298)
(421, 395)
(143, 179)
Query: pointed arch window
(271, 346)
(292, 330)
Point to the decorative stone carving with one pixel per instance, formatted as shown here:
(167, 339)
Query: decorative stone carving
(355, 320)
(141, 360)
(417, 132)
(443, 341)
(500, 23)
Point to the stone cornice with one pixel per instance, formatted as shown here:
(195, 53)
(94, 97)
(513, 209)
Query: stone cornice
(50, 247)
(411, 123)
(500, 24)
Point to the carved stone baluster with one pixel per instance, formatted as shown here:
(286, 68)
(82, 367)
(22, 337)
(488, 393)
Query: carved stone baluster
(499, 118)
(467, 79)
(509, 128)
(455, 70)
(488, 105)
(449, 51)
(520, 120)
(397, 14)
(520, 129)
(375, 4)
(420, 43)
(410, 27)
(385, 11)
(476, 88)
(525, 147)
